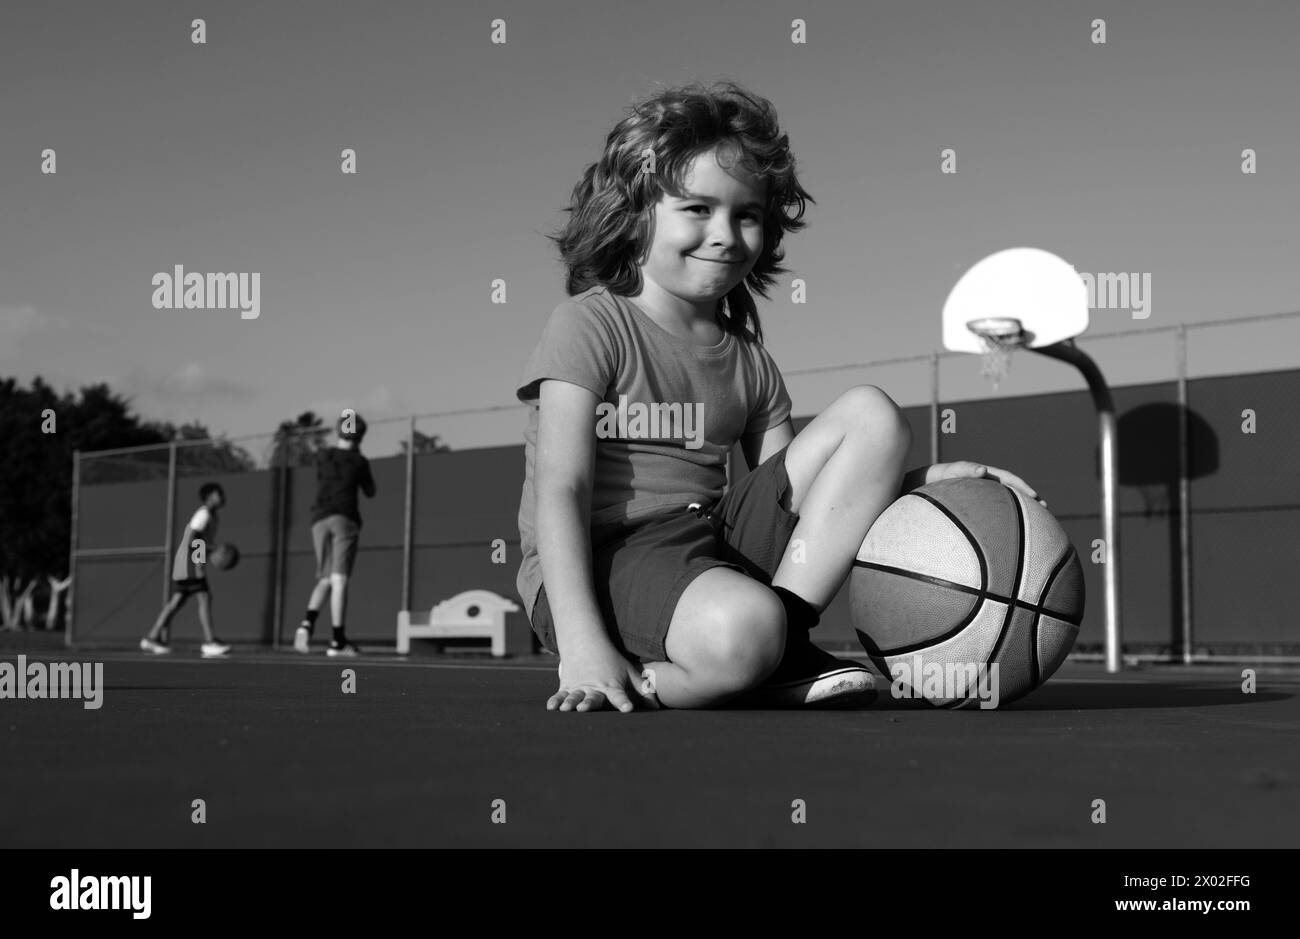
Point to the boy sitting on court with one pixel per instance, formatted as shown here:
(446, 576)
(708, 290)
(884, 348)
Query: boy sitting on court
(336, 524)
(190, 577)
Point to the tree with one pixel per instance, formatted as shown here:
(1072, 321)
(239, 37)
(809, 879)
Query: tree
(297, 442)
(39, 430)
(425, 443)
(216, 455)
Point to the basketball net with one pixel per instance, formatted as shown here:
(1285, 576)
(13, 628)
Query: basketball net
(995, 360)
(999, 337)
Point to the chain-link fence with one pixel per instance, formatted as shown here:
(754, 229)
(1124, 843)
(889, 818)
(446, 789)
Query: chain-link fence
(1210, 516)
(1208, 448)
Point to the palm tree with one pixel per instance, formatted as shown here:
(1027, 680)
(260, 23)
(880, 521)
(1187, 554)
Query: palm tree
(296, 442)
(425, 443)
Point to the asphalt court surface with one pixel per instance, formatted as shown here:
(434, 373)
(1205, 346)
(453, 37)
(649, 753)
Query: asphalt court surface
(418, 756)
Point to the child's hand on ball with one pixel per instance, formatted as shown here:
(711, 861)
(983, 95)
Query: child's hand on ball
(965, 469)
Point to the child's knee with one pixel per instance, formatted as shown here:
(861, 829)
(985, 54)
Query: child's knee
(868, 411)
(744, 636)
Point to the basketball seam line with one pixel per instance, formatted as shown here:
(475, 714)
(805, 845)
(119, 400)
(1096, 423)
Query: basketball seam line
(983, 593)
(1015, 581)
(970, 615)
(1042, 597)
(971, 591)
(979, 555)
(984, 580)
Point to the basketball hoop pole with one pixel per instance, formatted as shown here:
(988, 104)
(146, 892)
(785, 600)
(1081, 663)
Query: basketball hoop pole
(1107, 425)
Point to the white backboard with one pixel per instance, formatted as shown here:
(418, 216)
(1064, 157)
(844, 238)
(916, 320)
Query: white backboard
(1034, 286)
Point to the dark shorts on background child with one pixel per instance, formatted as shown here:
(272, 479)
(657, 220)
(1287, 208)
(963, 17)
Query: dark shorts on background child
(190, 585)
(642, 570)
(335, 539)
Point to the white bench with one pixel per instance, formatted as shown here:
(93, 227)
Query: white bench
(474, 614)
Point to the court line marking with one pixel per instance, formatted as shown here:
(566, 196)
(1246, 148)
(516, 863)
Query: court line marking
(388, 661)
(288, 659)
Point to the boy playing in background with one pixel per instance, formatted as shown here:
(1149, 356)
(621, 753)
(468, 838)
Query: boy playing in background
(189, 577)
(336, 524)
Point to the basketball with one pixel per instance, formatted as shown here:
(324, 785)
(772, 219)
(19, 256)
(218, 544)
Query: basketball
(966, 593)
(225, 557)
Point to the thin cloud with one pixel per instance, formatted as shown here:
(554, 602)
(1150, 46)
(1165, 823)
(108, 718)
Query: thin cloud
(24, 324)
(378, 400)
(20, 322)
(192, 382)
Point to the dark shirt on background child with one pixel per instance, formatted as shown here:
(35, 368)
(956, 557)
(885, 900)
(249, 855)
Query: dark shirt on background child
(339, 473)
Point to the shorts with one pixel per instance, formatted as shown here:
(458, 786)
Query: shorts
(190, 585)
(335, 540)
(642, 570)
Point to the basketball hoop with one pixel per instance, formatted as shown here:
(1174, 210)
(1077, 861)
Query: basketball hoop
(1000, 338)
(1028, 298)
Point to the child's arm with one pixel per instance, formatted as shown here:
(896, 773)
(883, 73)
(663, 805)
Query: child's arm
(593, 671)
(367, 480)
(758, 447)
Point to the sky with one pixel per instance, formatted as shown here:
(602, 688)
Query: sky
(376, 288)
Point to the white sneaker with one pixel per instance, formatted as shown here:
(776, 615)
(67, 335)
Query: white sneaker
(302, 640)
(157, 648)
(810, 677)
(345, 651)
(214, 650)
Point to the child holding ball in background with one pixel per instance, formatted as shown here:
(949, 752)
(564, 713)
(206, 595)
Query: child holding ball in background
(190, 577)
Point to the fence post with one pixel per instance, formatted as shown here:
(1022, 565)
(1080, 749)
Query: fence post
(407, 520)
(281, 516)
(72, 549)
(1184, 496)
(934, 407)
(171, 520)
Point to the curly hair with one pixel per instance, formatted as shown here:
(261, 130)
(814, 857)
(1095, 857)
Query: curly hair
(608, 232)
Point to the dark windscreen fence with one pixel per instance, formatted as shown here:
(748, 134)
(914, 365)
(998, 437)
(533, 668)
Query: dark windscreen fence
(1239, 461)
(462, 526)
(1245, 513)
(1236, 443)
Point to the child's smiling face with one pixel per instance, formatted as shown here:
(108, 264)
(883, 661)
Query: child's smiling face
(706, 243)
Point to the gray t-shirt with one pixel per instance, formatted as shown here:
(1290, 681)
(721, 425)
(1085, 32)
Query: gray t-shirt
(670, 412)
